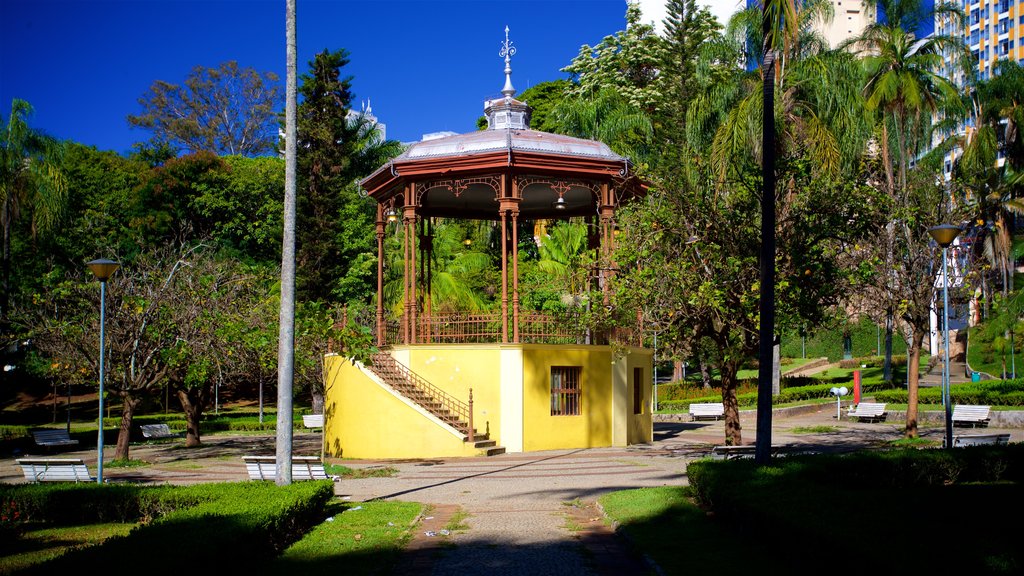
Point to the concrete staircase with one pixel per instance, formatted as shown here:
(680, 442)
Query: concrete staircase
(957, 374)
(442, 405)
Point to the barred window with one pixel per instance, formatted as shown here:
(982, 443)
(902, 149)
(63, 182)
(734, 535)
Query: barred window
(638, 391)
(565, 390)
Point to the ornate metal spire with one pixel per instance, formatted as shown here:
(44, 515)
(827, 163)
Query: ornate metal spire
(507, 52)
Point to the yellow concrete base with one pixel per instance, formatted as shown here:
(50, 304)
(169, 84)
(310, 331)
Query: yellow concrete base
(511, 390)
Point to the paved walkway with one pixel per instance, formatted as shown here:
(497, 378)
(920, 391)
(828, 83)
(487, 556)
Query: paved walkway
(527, 513)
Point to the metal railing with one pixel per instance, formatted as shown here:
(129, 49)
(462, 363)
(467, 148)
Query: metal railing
(447, 408)
(460, 328)
(534, 328)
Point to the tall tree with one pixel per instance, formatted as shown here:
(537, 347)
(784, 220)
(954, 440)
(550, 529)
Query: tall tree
(32, 183)
(904, 90)
(627, 62)
(687, 28)
(224, 110)
(335, 148)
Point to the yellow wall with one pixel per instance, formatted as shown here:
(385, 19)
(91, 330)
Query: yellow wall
(593, 427)
(363, 419)
(512, 398)
(455, 368)
(639, 427)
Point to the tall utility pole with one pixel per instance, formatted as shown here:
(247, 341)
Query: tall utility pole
(286, 333)
(766, 330)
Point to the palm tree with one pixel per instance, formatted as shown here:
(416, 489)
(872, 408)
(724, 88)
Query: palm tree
(904, 89)
(903, 85)
(995, 103)
(609, 118)
(31, 181)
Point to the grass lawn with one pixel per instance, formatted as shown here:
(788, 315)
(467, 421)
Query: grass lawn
(680, 537)
(40, 543)
(357, 539)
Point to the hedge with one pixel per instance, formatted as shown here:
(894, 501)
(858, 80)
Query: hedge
(223, 527)
(787, 395)
(992, 393)
(817, 503)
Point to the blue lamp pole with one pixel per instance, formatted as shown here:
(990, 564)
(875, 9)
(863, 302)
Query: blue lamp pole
(102, 269)
(944, 235)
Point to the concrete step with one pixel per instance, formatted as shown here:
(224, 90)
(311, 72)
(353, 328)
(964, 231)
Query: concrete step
(494, 451)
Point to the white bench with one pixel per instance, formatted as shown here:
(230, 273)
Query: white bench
(157, 431)
(713, 410)
(748, 450)
(53, 437)
(868, 411)
(313, 420)
(981, 440)
(303, 468)
(55, 470)
(970, 414)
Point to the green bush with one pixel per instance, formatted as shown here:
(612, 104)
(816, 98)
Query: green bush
(991, 393)
(828, 342)
(222, 527)
(786, 395)
(872, 361)
(784, 502)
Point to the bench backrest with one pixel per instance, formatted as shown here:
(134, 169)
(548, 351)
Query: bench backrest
(970, 412)
(303, 468)
(313, 420)
(156, 430)
(55, 470)
(707, 408)
(981, 439)
(870, 409)
(52, 436)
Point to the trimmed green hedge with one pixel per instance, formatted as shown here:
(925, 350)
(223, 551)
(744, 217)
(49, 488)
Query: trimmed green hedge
(218, 528)
(873, 361)
(787, 395)
(991, 393)
(822, 501)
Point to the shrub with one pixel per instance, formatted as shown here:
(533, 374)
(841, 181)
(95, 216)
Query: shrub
(993, 393)
(182, 527)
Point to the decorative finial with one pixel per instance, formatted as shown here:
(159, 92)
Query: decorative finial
(507, 52)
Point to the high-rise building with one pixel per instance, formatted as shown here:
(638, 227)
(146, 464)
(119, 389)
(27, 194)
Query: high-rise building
(849, 18)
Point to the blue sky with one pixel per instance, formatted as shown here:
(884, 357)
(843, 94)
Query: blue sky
(424, 65)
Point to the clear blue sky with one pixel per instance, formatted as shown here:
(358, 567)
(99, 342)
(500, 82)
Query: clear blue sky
(425, 65)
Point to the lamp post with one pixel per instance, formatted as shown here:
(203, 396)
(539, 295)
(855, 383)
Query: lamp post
(944, 235)
(102, 269)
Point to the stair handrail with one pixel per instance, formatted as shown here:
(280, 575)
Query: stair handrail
(462, 410)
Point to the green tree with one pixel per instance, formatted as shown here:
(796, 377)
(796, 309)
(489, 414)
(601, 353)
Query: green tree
(904, 89)
(32, 184)
(223, 110)
(626, 62)
(687, 28)
(335, 226)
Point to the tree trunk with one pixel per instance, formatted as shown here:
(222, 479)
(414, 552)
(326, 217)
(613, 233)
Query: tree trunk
(777, 367)
(128, 406)
(887, 363)
(913, 361)
(733, 434)
(5, 218)
(705, 373)
(193, 408)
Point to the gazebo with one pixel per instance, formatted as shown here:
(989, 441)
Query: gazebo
(517, 362)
